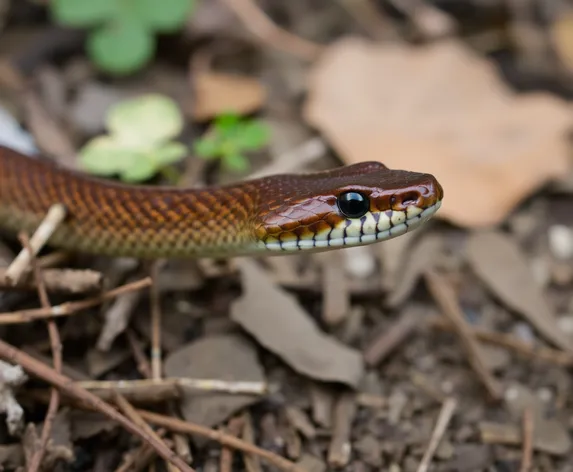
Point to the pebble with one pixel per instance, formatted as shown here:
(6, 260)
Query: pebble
(560, 241)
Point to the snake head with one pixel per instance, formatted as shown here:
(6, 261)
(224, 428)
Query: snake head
(350, 206)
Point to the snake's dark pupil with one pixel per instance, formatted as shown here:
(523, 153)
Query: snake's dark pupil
(353, 204)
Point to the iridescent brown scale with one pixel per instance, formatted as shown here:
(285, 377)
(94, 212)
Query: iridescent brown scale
(109, 218)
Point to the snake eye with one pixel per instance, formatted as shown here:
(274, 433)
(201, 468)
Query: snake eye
(353, 204)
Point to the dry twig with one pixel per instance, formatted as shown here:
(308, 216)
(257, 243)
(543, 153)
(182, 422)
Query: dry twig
(344, 412)
(175, 424)
(235, 428)
(70, 308)
(13, 355)
(446, 299)
(446, 414)
(138, 354)
(382, 345)
(134, 416)
(52, 220)
(204, 385)
(56, 344)
(155, 323)
(264, 28)
(510, 342)
(527, 454)
(138, 459)
(57, 280)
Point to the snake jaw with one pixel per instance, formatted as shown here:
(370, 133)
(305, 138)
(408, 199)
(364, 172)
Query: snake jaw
(369, 229)
(393, 202)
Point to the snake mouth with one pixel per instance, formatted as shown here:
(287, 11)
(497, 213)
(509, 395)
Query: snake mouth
(371, 228)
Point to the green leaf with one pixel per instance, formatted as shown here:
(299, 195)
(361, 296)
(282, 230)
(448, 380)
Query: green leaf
(143, 168)
(169, 153)
(145, 121)
(252, 136)
(227, 123)
(82, 13)
(121, 47)
(236, 163)
(165, 16)
(207, 147)
(103, 156)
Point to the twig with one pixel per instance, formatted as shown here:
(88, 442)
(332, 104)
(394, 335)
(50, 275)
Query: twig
(446, 414)
(155, 323)
(134, 416)
(445, 297)
(175, 424)
(13, 355)
(263, 27)
(344, 412)
(252, 463)
(137, 351)
(205, 385)
(69, 308)
(527, 453)
(382, 345)
(52, 220)
(508, 341)
(70, 281)
(56, 344)
(142, 456)
(235, 428)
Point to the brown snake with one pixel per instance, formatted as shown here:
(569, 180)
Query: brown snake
(348, 206)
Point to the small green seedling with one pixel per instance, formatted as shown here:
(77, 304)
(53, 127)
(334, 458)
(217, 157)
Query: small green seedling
(140, 140)
(121, 40)
(229, 138)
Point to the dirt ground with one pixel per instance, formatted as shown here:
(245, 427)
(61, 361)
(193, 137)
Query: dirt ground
(447, 349)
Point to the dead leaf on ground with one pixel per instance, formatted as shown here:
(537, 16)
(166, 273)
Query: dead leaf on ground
(500, 264)
(229, 357)
(444, 110)
(87, 424)
(282, 326)
(217, 93)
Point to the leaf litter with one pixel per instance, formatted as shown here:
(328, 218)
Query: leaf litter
(280, 324)
(502, 267)
(304, 326)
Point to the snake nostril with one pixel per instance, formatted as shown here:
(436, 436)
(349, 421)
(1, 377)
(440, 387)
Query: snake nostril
(410, 198)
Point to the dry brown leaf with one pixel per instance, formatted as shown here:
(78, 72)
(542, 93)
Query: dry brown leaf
(229, 357)
(275, 319)
(498, 261)
(440, 109)
(218, 93)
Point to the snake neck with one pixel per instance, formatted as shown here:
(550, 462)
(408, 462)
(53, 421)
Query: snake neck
(108, 218)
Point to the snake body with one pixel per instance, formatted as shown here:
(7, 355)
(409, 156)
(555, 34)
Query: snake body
(348, 206)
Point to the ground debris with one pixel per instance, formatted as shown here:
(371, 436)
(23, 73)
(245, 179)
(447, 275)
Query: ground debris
(218, 357)
(281, 325)
(346, 361)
